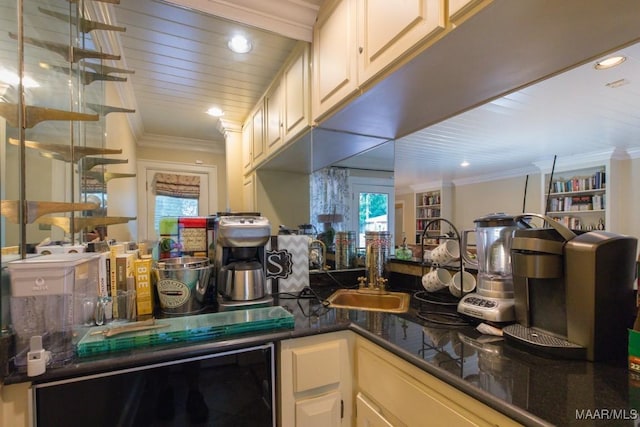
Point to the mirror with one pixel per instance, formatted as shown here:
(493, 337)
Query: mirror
(64, 126)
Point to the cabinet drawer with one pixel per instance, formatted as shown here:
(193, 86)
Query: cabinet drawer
(322, 411)
(316, 366)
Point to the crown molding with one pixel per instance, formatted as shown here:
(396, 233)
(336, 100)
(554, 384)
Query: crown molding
(583, 160)
(179, 143)
(226, 126)
(290, 18)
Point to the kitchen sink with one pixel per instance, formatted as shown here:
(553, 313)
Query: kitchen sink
(370, 300)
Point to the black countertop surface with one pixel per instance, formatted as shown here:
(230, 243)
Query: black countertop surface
(530, 389)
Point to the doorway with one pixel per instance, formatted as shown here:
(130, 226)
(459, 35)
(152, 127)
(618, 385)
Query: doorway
(373, 205)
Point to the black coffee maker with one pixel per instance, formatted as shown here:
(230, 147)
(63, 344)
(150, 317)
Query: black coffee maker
(573, 292)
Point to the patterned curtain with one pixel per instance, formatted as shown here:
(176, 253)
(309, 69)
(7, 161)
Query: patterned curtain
(185, 186)
(331, 195)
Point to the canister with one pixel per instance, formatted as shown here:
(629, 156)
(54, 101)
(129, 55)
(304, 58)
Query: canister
(345, 249)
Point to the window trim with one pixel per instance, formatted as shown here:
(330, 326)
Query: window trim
(144, 165)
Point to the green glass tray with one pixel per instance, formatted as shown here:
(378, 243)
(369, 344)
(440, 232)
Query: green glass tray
(187, 329)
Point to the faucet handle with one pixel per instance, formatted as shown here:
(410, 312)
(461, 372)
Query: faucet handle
(362, 282)
(381, 283)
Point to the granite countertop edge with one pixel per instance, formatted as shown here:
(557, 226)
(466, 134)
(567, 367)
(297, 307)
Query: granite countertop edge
(157, 355)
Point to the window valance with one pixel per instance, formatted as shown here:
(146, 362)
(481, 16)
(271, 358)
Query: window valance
(174, 185)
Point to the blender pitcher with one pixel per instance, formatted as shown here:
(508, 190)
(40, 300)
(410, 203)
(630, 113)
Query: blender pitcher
(494, 234)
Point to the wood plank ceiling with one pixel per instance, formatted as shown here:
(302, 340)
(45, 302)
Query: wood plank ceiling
(183, 67)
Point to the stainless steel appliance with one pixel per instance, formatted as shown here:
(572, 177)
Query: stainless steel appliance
(574, 293)
(240, 261)
(493, 299)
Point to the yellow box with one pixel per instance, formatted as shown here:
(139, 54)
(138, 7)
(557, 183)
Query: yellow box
(144, 294)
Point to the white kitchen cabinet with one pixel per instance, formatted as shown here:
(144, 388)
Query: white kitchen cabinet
(417, 398)
(258, 149)
(287, 102)
(273, 111)
(369, 415)
(247, 141)
(249, 193)
(358, 42)
(297, 93)
(461, 9)
(334, 55)
(321, 411)
(14, 404)
(387, 30)
(316, 380)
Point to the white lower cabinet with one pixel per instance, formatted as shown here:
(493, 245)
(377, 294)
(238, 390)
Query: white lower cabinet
(316, 380)
(395, 392)
(321, 411)
(368, 414)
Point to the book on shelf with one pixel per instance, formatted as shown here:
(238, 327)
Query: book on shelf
(597, 181)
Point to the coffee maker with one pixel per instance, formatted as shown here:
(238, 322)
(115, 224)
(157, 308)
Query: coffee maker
(573, 291)
(240, 261)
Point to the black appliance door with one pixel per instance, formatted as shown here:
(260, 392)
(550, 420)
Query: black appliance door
(225, 389)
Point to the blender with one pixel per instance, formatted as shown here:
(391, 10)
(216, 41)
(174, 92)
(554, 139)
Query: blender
(493, 300)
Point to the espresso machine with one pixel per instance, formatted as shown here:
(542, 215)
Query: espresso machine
(493, 300)
(240, 262)
(573, 292)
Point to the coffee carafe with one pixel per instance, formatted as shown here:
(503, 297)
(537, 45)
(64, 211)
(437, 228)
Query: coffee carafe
(240, 261)
(493, 299)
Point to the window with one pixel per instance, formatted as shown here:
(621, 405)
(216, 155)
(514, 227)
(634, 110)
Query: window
(155, 206)
(173, 206)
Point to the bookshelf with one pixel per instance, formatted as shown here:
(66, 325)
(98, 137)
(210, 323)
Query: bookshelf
(578, 198)
(431, 204)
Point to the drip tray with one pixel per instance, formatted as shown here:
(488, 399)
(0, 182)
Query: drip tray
(228, 305)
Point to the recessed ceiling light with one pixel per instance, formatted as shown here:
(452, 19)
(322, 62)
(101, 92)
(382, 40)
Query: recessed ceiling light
(610, 62)
(240, 44)
(215, 112)
(464, 164)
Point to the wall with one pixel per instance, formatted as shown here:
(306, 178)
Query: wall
(630, 202)
(121, 193)
(283, 197)
(409, 217)
(506, 195)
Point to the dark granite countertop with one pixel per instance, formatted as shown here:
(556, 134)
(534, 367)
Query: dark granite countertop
(530, 389)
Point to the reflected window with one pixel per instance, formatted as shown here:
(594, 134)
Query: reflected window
(167, 206)
(374, 204)
(373, 214)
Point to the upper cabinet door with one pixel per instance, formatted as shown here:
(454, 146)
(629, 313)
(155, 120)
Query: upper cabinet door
(334, 55)
(258, 145)
(273, 117)
(297, 95)
(390, 29)
(247, 142)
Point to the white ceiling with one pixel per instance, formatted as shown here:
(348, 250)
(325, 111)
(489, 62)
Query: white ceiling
(182, 67)
(572, 114)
